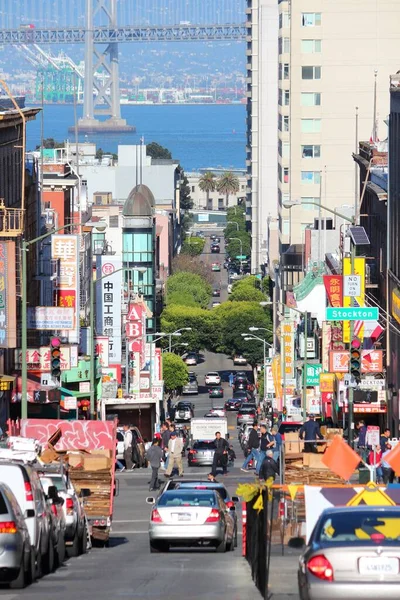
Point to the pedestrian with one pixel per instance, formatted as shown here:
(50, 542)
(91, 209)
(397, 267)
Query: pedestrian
(310, 432)
(282, 416)
(175, 447)
(231, 378)
(277, 438)
(387, 471)
(269, 468)
(266, 443)
(154, 456)
(220, 454)
(362, 440)
(211, 478)
(128, 447)
(384, 440)
(374, 460)
(253, 445)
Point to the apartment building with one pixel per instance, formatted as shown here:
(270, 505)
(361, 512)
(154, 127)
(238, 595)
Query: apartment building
(332, 56)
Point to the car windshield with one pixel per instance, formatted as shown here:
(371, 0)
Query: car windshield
(3, 505)
(58, 482)
(204, 445)
(189, 498)
(247, 411)
(212, 375)
(289, 427)
(364, 528)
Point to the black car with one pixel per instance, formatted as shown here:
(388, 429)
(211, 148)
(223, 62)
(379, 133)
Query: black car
(240, 385)
(243, 395)
(233, 404)
(217, 240)
(216, 293)
(216, 392)
(215, 249)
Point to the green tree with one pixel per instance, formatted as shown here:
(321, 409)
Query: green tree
(100, 153)
(207, 184)
(247, 289)
(235, 248)
(227, 184)
(192, 284)
(204, 324)
(157, 151)
(193, 245)
(50, 144)
(175, 372)
(188, 264)
(185, 200)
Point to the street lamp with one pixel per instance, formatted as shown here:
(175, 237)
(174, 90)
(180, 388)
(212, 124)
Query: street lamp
(176, 333)
(260, 329)
(100, 226)
(177, 345)
(241, 249)
(233, 223)
(249, 338)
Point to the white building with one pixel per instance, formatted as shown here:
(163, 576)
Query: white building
(217, 200)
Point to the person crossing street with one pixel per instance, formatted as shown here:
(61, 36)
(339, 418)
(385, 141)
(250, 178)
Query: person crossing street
(253, 445)
(220, 454)
(175, 448)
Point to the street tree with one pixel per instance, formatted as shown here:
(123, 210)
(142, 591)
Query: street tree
(228, 184)
(235, 248)
(186, 263)
(207, 184)
(175, 372)
(204, 324)
(192, 284)
(157, 151)
(247, 289)
(193, 245)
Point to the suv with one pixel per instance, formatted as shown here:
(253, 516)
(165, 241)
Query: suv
(183, 411)
(24, 482)
(191, 387)
(246, 414)
(212, 378)
(74, 514)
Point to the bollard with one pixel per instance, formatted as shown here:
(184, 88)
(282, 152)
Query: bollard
(244, 521)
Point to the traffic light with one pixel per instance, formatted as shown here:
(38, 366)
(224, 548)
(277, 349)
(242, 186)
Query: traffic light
(55, 357)
(355, 359)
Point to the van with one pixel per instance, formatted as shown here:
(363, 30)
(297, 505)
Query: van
(25, 484)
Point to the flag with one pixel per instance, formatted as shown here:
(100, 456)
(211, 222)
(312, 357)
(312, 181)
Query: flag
(393, 459)
(340, 458)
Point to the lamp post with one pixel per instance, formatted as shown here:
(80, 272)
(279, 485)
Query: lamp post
(241, 250)
(176, 333)
(100, 226)
(179, 344)
(249, 337)
(233, 223)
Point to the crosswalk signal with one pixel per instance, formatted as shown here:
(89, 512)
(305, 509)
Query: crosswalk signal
(355, 359)
(55, 357)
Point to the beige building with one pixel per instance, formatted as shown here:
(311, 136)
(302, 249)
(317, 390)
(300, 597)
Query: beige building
(217, 200)
(330, 55)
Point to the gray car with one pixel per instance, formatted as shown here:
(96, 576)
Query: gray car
(352, 553)
(17, 555)
(201, 454)
(191, 387)
(246, 414)
(190, 518)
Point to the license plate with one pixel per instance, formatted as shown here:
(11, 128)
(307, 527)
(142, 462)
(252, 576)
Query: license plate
(207, 453)
(380, 565)
(183, 517)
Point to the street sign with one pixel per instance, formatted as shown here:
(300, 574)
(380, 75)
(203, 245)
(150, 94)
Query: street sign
(241, 257)
(352, 313)
(352, 285)
(373, 435)
(312, 374)
(349, 381)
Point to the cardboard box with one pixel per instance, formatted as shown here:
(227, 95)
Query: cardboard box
(96, 462)
(49, 455)
(102, 452)
(293, 445)
(75, 459)
(314, 461)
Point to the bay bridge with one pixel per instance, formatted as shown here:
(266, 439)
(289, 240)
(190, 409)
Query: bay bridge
(102, 24)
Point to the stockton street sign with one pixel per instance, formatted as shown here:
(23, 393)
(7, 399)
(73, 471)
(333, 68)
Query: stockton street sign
(352, 313)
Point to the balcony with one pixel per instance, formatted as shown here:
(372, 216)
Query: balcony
(11, 221)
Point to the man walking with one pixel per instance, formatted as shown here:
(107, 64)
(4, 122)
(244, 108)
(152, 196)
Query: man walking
(266, 443)
(154, 456)
(269, 468)
(252, 446)
(220, 454)
(175, 447)
(128, 448)
(310, 432)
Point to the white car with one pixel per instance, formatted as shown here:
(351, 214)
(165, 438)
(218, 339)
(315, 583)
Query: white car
(239, 360)
(191, 359)
(218, 411)
(229, 288)
(212, 378)
(214, 304)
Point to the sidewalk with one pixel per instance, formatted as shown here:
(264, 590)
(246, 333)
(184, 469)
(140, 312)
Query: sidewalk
(283, 574)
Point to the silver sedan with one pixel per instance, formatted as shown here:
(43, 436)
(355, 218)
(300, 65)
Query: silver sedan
(190, 518)
(353, 553)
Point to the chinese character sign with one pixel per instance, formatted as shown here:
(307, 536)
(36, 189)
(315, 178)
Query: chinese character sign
(287, 349)
(334, 289)
(8, 324)
(108, 304)
(65, 250)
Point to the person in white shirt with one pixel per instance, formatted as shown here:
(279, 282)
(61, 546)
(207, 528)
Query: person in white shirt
(175, 447)
(128, 447)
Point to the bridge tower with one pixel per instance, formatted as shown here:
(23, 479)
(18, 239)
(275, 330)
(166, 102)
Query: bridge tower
(101, 94)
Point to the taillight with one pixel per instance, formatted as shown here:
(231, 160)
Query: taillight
(69, 505)
(192, 451)
(28, 492)
(281, 509)
(8, 527)
(155, 516)
(230, 504)
(214, 516)
(320, 567)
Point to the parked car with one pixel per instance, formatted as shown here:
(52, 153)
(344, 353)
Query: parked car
(25, 484)
(73, 509)
(216, 292)
(233, 404)
(191, 359)
(58, 524)
(138, 449)
(212, 378)
(191, 387)
(183, 411)
(215, 249)
(214, 304)
(352, 552)
(17, 554)
(215, 267)
(216, 392)
(238, 359)
(217, 411)
(229, 288)
(246, 415)
(190, 518)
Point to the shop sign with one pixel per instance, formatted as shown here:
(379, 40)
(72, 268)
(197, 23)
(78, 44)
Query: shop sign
(334, 289)
(287, 343)
(108, 309)
(312, 374)
(339, 361)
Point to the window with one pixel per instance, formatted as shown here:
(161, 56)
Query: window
(310, 46)
(285, 150)
(310, 99)
(98, 200)
(305, 203)
(310, 151)
(286, 97)
(284, 45)
(310, 125)
(285, 174)
(310, 19)
(114, 221)
(286, 226)
(311, 72)
(284, 19)
(193, 189)
(283, 71)
(310, 177)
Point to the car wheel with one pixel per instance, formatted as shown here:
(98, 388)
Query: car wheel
(83, 540)
(73, 550)
(236, 538)
(20, 582)
(60, 552)
(48, 562)
(157, 547)
(222, 547)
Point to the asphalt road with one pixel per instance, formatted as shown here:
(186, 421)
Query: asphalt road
(127, 569)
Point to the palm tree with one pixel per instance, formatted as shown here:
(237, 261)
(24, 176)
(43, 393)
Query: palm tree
(227, 184)
(207, 184)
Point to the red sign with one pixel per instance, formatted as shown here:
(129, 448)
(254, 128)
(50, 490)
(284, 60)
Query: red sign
(67, 298)
(134, 329)
(368, 408)
(371, 361)
(334, 289)
(135, 312)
